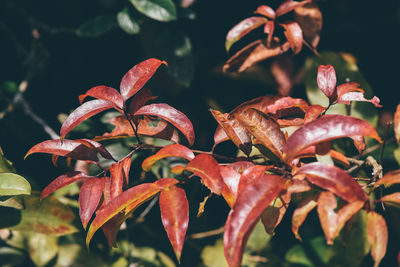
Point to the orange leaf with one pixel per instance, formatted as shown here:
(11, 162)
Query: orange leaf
(301, 212)
(294, 35)
(89, 198)
(174, 150)
(377, 233)
(63, 180)
(389, 179)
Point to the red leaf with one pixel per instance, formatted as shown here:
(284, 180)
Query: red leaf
(301, 212)
(294, 35)
(288, 6)
(391, 198)
(174, 150)
(250, 203)
(126, 203)
(96, 146)
(138, 76)
(359, 142)
(119, 173)
(84, 111)
(220, 136)
(331, 221)
(207, 168)
(174, 209)
(299, 186)
(397, 123)
(333, 179)
(265, 129)
(312, 113)
(377, 236)
(327, 127)
(65, 148)
(63, 180)
(231, 180)
(311, 151)
(104, 93)
(254, 52)
(266, 11)
(111, 227)
(269, 29)
(89, 198)
(273, 214)
(140, 99)
(243, 28)
(389, 179)
(236, 132)
(173, 116)
(309, 18)
(249, 176)
(326, 80)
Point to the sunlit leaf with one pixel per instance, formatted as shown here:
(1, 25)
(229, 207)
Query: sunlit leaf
(174, 209)
(137, 77)
(266, 11)
(326, 128)
(127, 23)
(250, 203)
(248, 176)
(389, 179)
(207, 168)
(334, 179)
(174, 150)
(161, 10)
(119, 175)
(220, 136)
(104, 93)
(377, 236)
(42, 248)
(65, 148)
(294, 35)
(309, 17)
(89, 198)
(173, 116)
(83, 112)
(64, 180)
(243, 28)
(97, 26)
(301, 212)
(13, 184)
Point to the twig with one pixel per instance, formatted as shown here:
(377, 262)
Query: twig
(207, 234)
(373, 148)
(311, 48)
(140, 218)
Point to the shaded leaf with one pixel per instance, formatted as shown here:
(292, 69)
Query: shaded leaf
(326, 80)
(253, 53)
(312, 113)
(273, 214)
(127, 23)
(161, 10)
(5, 164)
(265, 129)
(13, 184)
(83, 112)
(377, 236)
(288, 6)
(96, 146)
(301, 212)
(174, 209)
(97, 26)
(63, 180)
(309, 17)
(173, 116)
(396, 121)
(138, 76)
(282, 68)
(265, 11)
(174, 150)
(140, 99)
(250, 203)
(207, 168)
(294, 35)
(234, 130)
(243, 28)
(312, 151)
(104, 93)
(391, 198)
(89, 198)
(389, 179)
(326, 128)
(333, 179)
(42, 248)
(65, 148)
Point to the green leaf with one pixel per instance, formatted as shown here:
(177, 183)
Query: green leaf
(42, 248)
(97, 26)
(346, 71)
(258, 239)
(11, 256)
(13, 184)
(5, 164)
(127, 23)
(161, 10)
(48, 216)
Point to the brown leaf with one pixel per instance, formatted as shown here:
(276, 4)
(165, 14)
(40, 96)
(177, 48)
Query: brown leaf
(273, 214)
(220, 136)
(377, 236)
(242, 28)
(389, 179)
(309, 18)
(294, 35)
(312, 113)
(348, 92)
(301, 212)
(397, 124)
(119, 175)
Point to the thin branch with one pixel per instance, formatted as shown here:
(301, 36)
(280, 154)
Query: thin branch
(140, 218)
(311, 48)
(207, 234)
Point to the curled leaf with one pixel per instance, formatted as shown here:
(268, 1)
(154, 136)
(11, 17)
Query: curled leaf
(294, 35)
(89, 198)
(312, 113)
(301, 212)
(377, 234)
(397, 124)
(104, 93)
(174, 150)
(243, 28)
(348, 92)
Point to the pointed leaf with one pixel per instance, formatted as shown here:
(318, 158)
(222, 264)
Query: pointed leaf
(161, 10)
(333, 179)
(83, 112)
(326, 80)
(220, 136)
(265, 11)
(64, 180)
(377, 236)
(13, 184)
(65, 148)
(174, 150)
(269, 29)
(173, 116)
(89, 198)
(326, 128)
(127, 202)
(174, 209)
(104, 93)
(250, 203)
(397, 124)
(312, 151)
(391, 198)
(138, 76)
(357, 96)
(273, 214)
(231, 180)
(119, 174)
(288, 6)
(243, 28)
(127, 22)
(207, 168)
(294, 35)
(312, 113)
(389, 179)
(265, 129)
(96, 146)
(236, 132)
(301, 212)
(309, 17)
(254, 52)
(157, 128)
